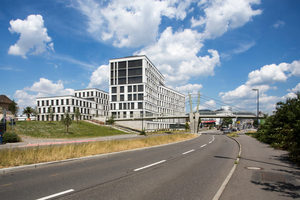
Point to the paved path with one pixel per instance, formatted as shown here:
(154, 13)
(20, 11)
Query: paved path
(270, 175)
(27, 142)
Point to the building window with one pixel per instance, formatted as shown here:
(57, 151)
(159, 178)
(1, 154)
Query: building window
(140, 96)
(124, 106)
(122, 97)
(122, 89)
(113, 97)
(140, 105)
(129, 88)
(91, 94)
(83, 94)
(38, 103)
(58, 109)
(141, 88)
(122, 72)
(120, 106)
(132, 105)
(57, 102)
(47, 102)
(132, 80)
(72, 101)
(67, 101)
(134, 63)
(134, 97)
(114, 90)
(75, 94)
(134, 88)
(52, 102)
(87, 94)
(129, 97)
(122, 80)
(135, 72)
(62, 102)
(122, 65)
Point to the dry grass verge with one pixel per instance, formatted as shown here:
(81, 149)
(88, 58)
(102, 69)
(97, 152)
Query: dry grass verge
(18, 157)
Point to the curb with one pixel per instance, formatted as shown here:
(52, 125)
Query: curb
(38, 165)
(222, 188)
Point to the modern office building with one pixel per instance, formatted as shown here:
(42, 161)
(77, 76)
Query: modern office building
(137, 89)
(91, 103)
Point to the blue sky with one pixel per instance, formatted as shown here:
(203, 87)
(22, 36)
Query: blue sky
(223, 48)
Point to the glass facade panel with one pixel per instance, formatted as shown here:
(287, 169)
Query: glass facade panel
(113, 97)
(140, 105)
(122, 89)
(114, 90)
(135, 72)
(129, 88)
(134, 63)
(122, 65)
(122, 80)
(122, 72)
(141, 88)
(132, 80)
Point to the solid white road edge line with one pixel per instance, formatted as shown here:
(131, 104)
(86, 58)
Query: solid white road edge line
(188, 151)
(203, 145)
(149, 165)
(210, 142)
(55, 195)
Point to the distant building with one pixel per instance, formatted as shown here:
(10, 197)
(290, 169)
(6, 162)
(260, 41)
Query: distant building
(5, 102)
(225, 110)
(91, 103)
(137, 88)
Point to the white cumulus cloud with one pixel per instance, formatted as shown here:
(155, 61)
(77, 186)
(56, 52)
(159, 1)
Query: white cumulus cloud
(43, 88)
(33, 36)
(100, 77)
(175, 55)
(129, 23)
(222, 15)
(270, 74)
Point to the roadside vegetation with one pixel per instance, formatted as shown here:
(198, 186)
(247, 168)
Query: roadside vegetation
(32, 155)
(57, 129)
(233, 134)
(166, 131)
(282, 130)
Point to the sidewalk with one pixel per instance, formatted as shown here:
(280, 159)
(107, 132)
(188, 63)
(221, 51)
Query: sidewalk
(262, 173)
(28, 142)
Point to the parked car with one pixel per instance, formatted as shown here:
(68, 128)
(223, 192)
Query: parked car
(223, 128)
(226, 130)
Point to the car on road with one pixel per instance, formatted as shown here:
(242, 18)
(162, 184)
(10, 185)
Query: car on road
(227, 130)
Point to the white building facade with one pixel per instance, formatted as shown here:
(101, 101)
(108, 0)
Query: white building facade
(91, 103)
(137, 89)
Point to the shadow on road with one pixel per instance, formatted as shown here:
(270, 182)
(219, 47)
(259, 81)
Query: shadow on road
(287, 189)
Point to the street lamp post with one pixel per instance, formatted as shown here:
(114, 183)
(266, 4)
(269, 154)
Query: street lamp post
(257, 106)
(143, 111)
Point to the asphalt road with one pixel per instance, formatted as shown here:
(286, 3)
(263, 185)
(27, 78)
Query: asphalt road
(193, 169)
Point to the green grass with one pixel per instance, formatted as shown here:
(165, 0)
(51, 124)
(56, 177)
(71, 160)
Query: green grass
(41, 129)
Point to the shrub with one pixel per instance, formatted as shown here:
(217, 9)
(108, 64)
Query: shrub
(9, 137)
(143, 132)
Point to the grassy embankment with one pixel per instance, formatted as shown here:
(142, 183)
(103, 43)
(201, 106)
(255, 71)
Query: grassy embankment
(41, 129)
(18, 157)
